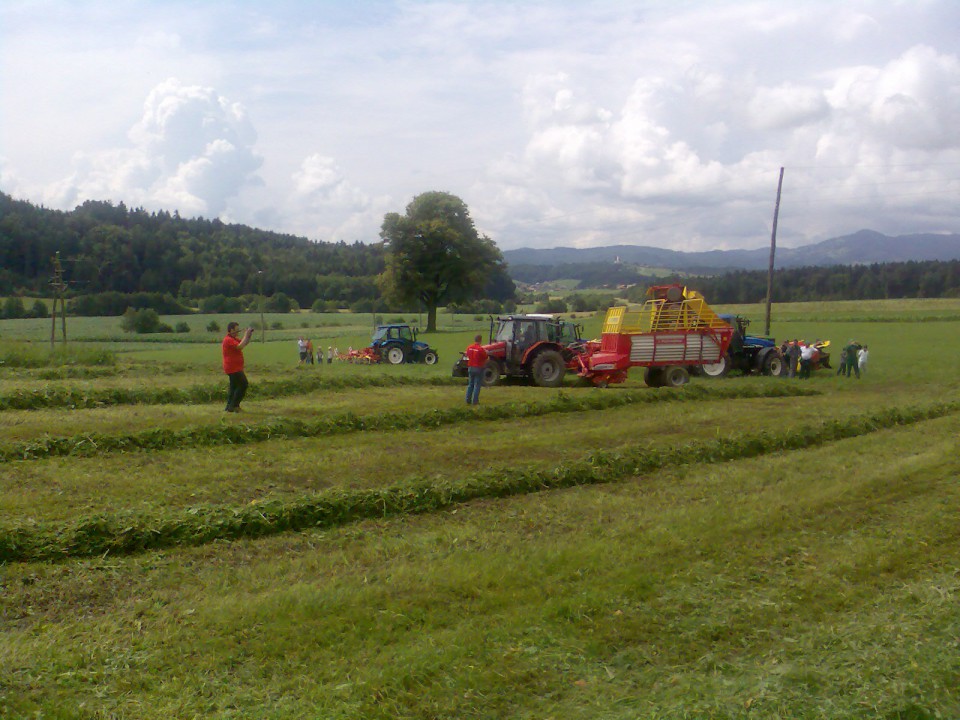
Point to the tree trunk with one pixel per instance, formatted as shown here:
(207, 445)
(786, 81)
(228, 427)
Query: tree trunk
(431, 318)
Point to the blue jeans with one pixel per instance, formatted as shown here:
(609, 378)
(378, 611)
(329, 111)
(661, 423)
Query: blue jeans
(474, 384)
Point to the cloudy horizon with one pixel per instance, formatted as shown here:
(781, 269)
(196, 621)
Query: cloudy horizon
(558, 123)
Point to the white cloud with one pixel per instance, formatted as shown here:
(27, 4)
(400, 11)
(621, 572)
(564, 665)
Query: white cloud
(787, 106)
(319, 182)
(192, 151)
(912, 102)
(558, 123)
(322, 192)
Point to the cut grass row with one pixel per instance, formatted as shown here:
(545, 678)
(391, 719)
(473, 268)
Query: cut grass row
(809, 585)
(126, 533)
(56, 489)
(617, 601)
(60, 396)
(159, 439)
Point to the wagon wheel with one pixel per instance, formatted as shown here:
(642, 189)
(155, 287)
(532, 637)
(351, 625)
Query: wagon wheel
(653, 376)
(675, 376)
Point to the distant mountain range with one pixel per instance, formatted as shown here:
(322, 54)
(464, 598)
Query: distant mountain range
(861, 248)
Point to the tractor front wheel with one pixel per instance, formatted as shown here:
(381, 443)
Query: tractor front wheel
(395, 355)
(548, 368)
(491, 373)
(430, 358)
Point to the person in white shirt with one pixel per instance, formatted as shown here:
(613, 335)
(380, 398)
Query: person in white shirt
(806, 360)
(862, 359)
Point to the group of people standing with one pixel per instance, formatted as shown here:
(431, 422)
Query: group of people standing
(305, 349)
(802, 358)
(853, 359)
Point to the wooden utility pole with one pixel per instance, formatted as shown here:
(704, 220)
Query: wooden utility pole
(773, 250)
(59, 288)
(263, 325)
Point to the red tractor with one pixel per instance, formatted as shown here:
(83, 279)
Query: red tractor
(536, 348)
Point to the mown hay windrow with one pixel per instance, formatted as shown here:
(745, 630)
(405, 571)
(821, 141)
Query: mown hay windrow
(60, 396)
(127, 533)
(160, 439)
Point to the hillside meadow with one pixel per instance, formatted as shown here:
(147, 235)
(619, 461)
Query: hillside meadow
(358, 543)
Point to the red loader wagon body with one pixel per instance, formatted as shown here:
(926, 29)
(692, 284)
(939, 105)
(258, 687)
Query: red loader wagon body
(673, 330)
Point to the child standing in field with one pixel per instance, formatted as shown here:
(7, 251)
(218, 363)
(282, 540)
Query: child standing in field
(862, 359)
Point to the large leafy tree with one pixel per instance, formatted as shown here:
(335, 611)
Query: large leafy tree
(435, 255)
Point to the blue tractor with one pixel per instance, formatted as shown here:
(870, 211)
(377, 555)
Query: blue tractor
(398, 344)
(750, 354)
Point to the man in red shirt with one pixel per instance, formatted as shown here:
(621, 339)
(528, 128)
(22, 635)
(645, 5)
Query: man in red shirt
(233, 364)
(476, 359)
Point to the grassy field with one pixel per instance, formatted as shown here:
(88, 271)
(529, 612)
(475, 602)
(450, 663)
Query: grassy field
(360, 544)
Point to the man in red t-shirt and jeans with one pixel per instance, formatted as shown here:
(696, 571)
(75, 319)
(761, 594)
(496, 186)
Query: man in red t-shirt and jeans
(476, 359)
(233, 364)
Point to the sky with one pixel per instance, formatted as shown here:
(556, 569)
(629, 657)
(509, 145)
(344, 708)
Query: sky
(564, 123)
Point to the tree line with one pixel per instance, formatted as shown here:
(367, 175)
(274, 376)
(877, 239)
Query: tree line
(877, 281)
(111, 248)
(114, 257)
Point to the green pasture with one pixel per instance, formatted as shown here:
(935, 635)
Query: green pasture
(358, 543)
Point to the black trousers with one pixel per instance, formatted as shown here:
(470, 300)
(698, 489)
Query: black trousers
(238, 388)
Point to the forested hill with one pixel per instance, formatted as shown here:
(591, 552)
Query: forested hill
(862, 247)
(111, 248)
